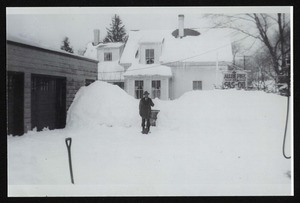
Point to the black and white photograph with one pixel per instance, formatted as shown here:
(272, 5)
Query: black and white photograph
(149, 101)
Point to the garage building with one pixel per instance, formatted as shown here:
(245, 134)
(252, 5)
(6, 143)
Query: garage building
(41, 85)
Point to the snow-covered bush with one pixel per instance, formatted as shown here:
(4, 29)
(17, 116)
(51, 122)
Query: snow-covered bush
(267, 86)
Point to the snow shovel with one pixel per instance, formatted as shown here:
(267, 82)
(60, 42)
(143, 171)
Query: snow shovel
(68, 143)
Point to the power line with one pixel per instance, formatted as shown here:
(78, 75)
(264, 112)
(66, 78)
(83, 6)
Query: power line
(235, 65)
(180, 60)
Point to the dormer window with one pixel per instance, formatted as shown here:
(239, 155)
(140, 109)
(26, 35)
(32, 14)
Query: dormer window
(107, 56)
(149, 56)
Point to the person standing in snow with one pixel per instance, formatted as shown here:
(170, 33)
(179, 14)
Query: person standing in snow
(145, 111)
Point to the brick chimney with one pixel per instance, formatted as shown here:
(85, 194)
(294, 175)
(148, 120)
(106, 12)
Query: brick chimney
(96, 37)
(180, 25)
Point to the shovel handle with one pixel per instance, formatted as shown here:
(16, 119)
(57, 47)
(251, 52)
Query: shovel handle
(68, 142)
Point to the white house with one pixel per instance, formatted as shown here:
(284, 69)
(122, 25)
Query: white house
(108, 55)
(168, 63)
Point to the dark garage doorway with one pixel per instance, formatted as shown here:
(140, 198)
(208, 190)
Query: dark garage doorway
(15, 103)
(48, 102)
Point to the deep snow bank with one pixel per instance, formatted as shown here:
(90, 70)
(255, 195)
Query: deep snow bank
(195, 109)
(102, 104)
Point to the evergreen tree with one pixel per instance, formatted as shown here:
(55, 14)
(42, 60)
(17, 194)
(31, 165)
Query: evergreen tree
(116, 32)
(66, 45)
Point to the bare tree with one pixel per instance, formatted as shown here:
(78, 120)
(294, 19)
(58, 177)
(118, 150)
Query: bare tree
(236, 49)
(262, 74)
(273, 30)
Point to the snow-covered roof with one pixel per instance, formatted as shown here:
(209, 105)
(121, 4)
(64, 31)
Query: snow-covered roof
(155, 37)
(110, 70)
(34, 43)
(212, 45)
(131, 47)
(91, 50)
(113, 45)
(137, 69)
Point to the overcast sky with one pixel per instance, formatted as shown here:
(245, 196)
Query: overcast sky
(50, 25)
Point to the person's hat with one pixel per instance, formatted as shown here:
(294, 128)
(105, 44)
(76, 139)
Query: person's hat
(146, 93)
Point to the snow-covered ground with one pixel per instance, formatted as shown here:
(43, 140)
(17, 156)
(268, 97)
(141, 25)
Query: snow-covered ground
(221, 142)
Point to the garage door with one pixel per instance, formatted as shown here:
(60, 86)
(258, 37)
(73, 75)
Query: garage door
(15, 103)
(48, 102)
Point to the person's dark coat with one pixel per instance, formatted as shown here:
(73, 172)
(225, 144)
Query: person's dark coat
(145, 107)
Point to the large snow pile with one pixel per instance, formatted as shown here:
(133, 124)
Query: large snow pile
(221, 107)
(102, 104)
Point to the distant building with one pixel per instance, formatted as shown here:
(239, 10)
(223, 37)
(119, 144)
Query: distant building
(108, 55)
(41, 84)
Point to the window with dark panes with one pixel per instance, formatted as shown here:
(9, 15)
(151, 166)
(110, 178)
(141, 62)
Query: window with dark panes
(197, 85)
(156, 88)
(149, 56)
(139, 88)
(107, 56)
